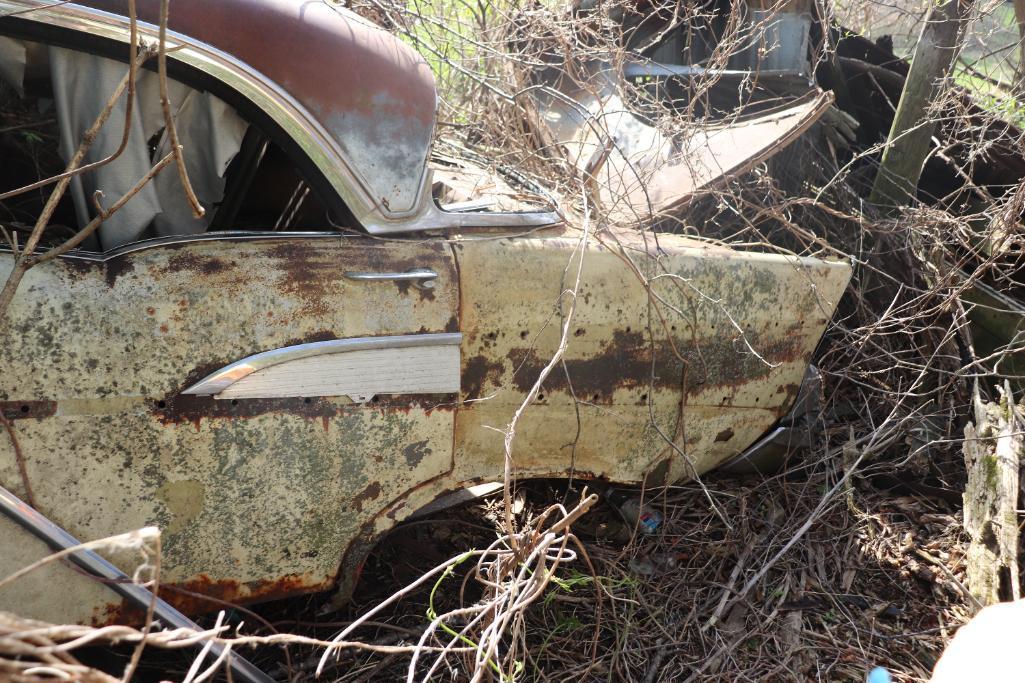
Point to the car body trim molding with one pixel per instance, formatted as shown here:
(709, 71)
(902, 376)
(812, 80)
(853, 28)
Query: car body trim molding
(219, 381)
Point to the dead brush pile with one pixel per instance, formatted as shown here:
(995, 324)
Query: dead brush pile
(849, 555)
(852, 554)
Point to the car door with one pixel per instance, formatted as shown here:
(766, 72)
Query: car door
(97, 356)
(258, 395)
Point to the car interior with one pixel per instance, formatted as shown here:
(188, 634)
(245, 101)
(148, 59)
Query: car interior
(50, 95)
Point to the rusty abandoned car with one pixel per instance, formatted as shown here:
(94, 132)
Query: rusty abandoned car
(333, 347)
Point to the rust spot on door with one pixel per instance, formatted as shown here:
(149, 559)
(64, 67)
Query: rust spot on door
(187, 408)
(368, 494)
(626, 361)
(116, 267)
(190, 261)
(19, 410)
(724, 435)
(476, 372)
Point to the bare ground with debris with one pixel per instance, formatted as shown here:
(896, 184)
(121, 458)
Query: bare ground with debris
(876, 579)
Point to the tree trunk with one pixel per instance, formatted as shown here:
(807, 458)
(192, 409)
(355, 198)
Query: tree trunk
(910, 136)
(1019, 17)
(993, 450)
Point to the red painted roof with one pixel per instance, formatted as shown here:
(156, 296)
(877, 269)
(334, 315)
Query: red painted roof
(374, 94)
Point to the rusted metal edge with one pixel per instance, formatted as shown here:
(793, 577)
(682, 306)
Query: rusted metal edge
(822, 102)
(57, 538)
(785, 432)
(220, 380)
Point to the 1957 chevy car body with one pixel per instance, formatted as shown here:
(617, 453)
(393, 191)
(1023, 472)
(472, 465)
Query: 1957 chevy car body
(275, 401)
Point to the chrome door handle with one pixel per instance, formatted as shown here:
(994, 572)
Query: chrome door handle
(423, 276)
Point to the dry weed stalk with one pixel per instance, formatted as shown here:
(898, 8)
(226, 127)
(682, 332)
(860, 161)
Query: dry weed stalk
(515, 570)
(491, 633)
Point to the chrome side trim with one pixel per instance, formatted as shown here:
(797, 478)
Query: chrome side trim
(155, 242)
(423, 275)
(220, 380)
(93, 564)
(431, 217)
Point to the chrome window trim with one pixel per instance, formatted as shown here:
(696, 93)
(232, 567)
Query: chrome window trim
(433, 217)
(220, 380)
(155, 242)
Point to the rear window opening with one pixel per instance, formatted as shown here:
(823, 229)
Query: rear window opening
(50, 95)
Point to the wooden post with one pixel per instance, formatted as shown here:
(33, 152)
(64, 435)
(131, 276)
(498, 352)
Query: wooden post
(910, 136)
(993, 450)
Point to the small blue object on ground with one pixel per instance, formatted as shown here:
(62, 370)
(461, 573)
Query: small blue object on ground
(878, 675)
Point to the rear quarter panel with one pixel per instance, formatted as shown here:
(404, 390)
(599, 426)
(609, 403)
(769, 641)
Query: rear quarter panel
(681, 373)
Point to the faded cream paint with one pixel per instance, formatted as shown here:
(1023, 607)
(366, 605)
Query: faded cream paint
(606, 421)
(612, 420)
(262, 498)
(184, 501)
(285, 486)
